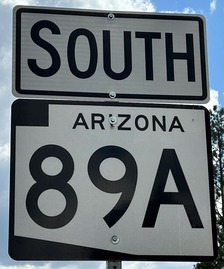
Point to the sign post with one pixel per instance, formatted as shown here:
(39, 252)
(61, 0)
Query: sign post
(113, 265)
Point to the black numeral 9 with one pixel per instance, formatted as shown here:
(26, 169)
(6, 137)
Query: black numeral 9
(126, 185)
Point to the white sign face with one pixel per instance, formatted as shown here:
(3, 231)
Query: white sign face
(110, 182)
(76, 53)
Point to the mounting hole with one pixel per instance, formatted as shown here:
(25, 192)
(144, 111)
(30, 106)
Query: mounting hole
(111, 16)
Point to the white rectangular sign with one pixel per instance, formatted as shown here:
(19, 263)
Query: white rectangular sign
(110, 182)
(82, 53)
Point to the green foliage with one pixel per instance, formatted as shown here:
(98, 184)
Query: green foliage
(204, 265)
(217, 133)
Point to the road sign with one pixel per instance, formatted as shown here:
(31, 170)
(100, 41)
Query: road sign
(97, 54)
(110, 181)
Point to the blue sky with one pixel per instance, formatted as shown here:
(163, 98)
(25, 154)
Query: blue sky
(213, 10)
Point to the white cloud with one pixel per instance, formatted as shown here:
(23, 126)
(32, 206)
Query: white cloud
(26, 266)
(212, 6)
(125, 5)
(55, 265)
(16, 2)
(5, 67)
(5, 56)
(186, 10)
(66, 266)
(131, 5)
(157, 265)
(214, 96)
(136, 265)
(171, 265)
(189, 10)
(4, 153)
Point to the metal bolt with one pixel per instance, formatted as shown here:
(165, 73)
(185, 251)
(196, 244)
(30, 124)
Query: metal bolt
(112, 120)
(110, 16)
(112, 95)
(115, 239)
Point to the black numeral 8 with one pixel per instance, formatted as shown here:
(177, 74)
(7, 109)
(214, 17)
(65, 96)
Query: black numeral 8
(57, 182)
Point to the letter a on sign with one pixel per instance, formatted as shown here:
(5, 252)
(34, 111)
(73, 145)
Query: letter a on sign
(169, 162)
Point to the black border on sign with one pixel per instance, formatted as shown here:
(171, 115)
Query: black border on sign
(89, 13)
(35, 113)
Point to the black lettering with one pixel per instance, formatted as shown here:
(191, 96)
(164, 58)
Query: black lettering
(176, 124)
(97, 118)
(80, 120)
(162, 124)
(55, 57)
(188, 55)
(121, 125)
(148, 36)
(71, 53)
(107, 56)
(169, 162)
(145, 125)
